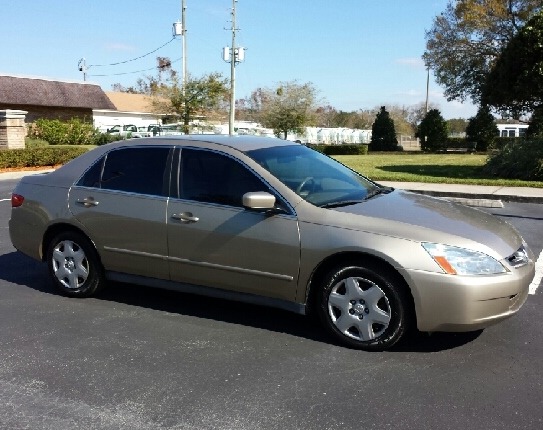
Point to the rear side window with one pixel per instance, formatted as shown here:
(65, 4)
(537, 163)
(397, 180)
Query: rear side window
(135, 170)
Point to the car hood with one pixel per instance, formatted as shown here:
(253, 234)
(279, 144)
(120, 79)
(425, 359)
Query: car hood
(423, 218)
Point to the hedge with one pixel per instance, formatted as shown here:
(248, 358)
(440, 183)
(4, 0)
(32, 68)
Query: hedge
(344, 149)
(38, 156)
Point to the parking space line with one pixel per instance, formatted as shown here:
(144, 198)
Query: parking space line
(538, 274)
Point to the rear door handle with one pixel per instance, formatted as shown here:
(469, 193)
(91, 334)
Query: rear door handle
(186, 217)
(88, 202)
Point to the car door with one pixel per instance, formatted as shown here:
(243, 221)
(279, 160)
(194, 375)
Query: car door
(214, 241)
(121, 202)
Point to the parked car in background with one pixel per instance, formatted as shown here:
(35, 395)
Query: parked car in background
(271, 222)
(130, 131)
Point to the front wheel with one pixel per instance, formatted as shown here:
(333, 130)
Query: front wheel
(74, 265)
(363, 309)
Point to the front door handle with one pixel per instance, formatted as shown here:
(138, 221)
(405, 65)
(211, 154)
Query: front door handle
(186, 217)
(88, 202)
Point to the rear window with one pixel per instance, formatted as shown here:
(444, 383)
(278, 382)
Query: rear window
(135, 170)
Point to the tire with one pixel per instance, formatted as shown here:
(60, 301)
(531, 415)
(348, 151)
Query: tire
(362, 309)
(74, 266)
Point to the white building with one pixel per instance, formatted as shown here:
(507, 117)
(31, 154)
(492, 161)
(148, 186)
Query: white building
(512, 130)
(131, 109)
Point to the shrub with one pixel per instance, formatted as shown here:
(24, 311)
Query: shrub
(500, 142)
(355, 149)
(35, 143)
(105, 138)
(521, 159)
(482, 130)
(383, 132)
(56, 132)
(433, 131)
(39, 156)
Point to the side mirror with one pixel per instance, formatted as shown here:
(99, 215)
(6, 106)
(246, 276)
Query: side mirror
(260, 200)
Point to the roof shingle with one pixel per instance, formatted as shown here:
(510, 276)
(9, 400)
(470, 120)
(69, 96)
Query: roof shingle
(43, 92)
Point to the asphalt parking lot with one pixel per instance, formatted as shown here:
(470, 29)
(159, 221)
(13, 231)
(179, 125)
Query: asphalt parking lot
(139, 358)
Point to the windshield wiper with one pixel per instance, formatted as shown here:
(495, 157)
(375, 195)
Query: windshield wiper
(378, 190)
(340, 203)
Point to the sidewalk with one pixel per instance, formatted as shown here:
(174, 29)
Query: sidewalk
(473, 195)
(485, 194)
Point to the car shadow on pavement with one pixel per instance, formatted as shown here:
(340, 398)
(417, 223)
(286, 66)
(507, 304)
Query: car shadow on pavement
(22, 270)
(434, 342)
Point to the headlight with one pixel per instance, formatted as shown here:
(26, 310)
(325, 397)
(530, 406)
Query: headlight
(460, 261)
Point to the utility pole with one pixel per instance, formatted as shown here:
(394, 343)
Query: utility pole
(184, 43)
(82, 66)
(233, 73)
(233, 55)
(179, 29)
(427, 88)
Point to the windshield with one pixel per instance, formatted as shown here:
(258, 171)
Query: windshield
(314, 176)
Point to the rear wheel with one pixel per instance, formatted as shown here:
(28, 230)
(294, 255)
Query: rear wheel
(74, 265)
(362, 308)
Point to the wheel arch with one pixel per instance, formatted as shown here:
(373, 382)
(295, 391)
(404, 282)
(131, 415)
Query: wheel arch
(344, 259)
(58, 228)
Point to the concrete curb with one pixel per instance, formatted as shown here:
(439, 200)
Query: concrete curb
(483, 197)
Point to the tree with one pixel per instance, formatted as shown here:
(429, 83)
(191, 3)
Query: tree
(481, 129)
(400, 115)
(467, 38)
(199, 95)
(457, 125)
(515, 83)
(416, 114)
(288, 108)
(250, 108)
(536, 124)
(432, 131)
(149, 85)
(383, 133)
(328, 116)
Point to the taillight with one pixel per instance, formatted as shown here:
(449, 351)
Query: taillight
(16, 200)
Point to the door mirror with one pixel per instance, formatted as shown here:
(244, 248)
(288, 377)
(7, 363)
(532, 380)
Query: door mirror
(260, 200)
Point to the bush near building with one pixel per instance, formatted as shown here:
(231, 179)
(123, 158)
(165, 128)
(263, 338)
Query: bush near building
(39, 156)
(72, 132)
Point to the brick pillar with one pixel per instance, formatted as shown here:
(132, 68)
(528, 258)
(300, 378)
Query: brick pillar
(12, 129)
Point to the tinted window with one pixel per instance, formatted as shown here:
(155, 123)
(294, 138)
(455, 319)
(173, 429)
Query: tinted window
(91, 178)
(214, 178)
(136, 170)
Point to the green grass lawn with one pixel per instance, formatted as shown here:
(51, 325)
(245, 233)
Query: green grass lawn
(433, 168)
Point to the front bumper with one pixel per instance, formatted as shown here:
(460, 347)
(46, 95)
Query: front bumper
(466, 303)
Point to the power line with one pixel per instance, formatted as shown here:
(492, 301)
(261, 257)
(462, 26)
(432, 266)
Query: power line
(133, 59)
(136, 71)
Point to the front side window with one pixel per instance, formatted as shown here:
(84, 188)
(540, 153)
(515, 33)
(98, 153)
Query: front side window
(210, 177)
(135, 170)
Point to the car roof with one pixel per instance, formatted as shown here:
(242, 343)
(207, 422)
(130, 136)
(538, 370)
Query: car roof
(69, 172)
(241, 143)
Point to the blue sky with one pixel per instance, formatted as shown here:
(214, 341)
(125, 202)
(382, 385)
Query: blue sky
(358, 53)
